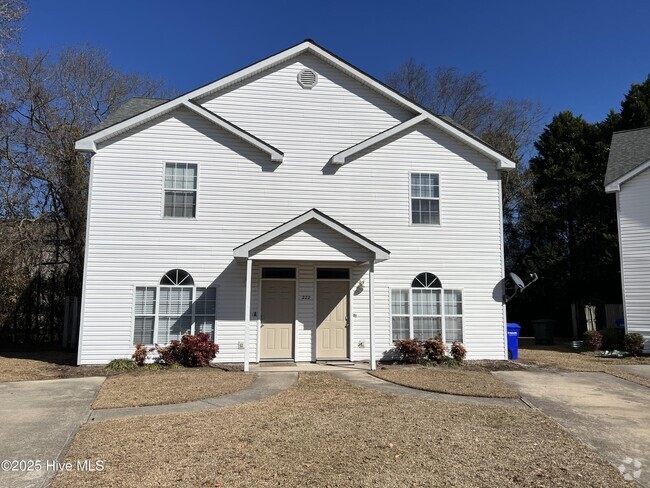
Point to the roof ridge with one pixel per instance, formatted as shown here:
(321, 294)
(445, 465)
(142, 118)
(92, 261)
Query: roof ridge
(631, 130)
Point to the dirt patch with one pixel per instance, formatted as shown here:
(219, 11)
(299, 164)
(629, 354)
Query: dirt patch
(562, 357)
(327, 432)
(455, 381)
(140, 388)
(46, 365)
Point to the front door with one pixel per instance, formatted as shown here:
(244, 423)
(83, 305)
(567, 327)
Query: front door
(332, 320)
(278, 316)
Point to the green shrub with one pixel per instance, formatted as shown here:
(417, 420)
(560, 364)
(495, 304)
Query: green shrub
(121, 365)
(612, 338)
(411, 351)
(593, 340)
(633, 343)
(458, 351)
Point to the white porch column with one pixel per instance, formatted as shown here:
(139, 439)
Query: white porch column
(247, 318)
(371, 317)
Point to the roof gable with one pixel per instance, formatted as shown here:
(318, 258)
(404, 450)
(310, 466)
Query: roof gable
(88, 143)
(629, 154)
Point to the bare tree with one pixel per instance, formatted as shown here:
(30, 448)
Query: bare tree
(50, 103)
(11, 14)
(509, 125)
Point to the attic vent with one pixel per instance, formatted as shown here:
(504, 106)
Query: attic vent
(307, 78)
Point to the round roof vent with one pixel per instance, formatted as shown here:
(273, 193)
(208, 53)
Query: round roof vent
(307, 78)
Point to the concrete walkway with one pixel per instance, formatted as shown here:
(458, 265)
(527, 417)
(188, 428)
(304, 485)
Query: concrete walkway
(366, 380)
(264, 385)
(607, 413)
(38, 421)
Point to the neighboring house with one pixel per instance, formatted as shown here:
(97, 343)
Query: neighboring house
(297, 209)
(628, 175)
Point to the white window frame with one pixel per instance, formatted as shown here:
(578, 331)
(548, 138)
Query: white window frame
(156, 323)
(165, 190)
(443, 315)
(438, 199)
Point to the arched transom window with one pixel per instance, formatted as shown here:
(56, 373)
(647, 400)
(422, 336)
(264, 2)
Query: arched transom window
(426, 310)
(175, 307)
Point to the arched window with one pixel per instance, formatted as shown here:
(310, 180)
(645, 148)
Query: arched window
(177, 277)
(165, 312)
(426, 280)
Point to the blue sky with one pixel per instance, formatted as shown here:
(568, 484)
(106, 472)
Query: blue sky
(568, 55)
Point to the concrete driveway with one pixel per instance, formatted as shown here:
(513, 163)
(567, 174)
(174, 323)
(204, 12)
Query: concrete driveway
(609, 414)
(37, 421)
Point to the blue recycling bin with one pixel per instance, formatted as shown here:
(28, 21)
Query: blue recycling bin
(513, 340)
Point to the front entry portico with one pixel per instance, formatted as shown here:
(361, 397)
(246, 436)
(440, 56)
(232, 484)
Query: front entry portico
(308, 318)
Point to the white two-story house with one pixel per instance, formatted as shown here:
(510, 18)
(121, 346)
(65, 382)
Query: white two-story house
(296, 210)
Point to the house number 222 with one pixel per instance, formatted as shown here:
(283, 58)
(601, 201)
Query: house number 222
(306, 297)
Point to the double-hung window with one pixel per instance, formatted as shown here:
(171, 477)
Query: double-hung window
(175, 307)
(180, 190)
(425, 198)
(426, 310)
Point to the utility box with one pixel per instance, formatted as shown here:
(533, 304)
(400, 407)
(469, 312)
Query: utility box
(513, 340)
(544, 331)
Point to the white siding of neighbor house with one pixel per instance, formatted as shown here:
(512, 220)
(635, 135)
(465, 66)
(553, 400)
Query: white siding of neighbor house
(242, 194)
(634, 233)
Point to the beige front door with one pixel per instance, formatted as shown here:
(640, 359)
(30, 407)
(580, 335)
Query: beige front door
(332, 320)
(278, 316)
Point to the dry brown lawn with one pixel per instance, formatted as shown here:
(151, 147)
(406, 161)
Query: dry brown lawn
(45, 365)
(562, 357)
(455, 381)
(140, 388)
(327, 432)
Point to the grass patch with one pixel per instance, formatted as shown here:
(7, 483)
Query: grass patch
(327, 432)
(455, 381)
(43, 365)
(562, 357)
(149, 386)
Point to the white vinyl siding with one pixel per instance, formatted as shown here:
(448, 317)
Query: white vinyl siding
(419, 313)
(243, 194)
(180, 190)
(634, 235)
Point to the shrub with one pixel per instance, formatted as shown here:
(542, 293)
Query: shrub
(593, 340)
(633, 343)
(612, 338)
(121, 365)
(140, 354)
(458, 351)
(434, 349)
(410, 350)
(198, 350)
(191, 351)
(171, 354)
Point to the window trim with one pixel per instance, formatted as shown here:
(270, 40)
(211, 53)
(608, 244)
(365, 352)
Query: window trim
(439, 199)
(196, 191)
(157, 310)
(442, 311)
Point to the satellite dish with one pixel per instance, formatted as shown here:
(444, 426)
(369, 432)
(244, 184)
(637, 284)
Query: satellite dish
(520, 286)
(519, 283)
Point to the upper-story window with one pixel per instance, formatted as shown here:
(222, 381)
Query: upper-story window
(180, 190)
(425, 198)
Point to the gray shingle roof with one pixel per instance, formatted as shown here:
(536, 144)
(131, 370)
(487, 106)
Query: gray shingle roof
(629, 149)
(131, 108)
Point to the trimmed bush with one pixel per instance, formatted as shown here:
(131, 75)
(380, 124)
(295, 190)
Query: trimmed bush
(121, 365)
(140, 354)
(633, 343)
(612, 338)
(593, 340)
(458, 351)
(410, 350)
(191, 351)
(434, 350)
